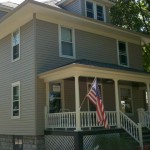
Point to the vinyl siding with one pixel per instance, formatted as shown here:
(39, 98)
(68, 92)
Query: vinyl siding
(95, 47)
(23, 71)
(2, 13)
(74, 7)
(135, 56)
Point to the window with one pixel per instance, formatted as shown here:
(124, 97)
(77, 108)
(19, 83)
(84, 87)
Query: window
(90, 9)
(67, 48)
(16, 100)
(18, 142)
(55, 98)
(122, 53)
(91, 106)
(94, 10)
(126, 99)
(16, 45)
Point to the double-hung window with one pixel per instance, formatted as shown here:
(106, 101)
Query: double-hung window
(16, 100)
(16, 45)
(122, 53)
(94, 10)
(67, 48)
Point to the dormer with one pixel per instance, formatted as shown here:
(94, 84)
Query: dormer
(96, 9)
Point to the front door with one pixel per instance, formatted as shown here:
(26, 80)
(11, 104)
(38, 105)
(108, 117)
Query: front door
(126, 105)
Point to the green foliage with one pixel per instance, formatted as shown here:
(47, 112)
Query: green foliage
(134, 15)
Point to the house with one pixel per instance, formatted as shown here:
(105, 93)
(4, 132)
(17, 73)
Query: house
(49, 55)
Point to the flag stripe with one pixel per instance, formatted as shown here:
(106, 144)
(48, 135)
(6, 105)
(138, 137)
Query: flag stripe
(95, 98)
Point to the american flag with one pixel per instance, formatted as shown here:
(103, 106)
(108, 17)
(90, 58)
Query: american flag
(95, 97)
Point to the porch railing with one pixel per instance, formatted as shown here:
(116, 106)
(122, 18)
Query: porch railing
(89, 119)
(144, 117)
(62, 120)
(68, 119)
(135, 130)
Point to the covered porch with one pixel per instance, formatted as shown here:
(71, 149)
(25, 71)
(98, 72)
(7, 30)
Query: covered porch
(124, 92)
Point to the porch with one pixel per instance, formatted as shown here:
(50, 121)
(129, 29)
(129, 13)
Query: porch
(123, 92)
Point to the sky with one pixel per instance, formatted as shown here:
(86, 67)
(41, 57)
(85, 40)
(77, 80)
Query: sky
(16, 1)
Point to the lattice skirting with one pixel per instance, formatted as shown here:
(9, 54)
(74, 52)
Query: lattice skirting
(56, 142)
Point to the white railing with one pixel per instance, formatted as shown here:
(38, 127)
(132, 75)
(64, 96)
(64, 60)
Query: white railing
(144, 117)
(68, 119)
(61, 120)
(89, 118)
(135, 130)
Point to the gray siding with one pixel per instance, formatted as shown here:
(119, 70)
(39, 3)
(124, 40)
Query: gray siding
(2, 14)
(95, 47)
(87, 46)
(23, 71)
(74, 7)
(135, 56)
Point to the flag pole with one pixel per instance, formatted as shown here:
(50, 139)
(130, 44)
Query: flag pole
(86, 94)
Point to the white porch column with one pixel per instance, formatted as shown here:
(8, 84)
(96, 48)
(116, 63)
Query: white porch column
(47, 105)
(77, 104)
(117, 102)
(148, 95)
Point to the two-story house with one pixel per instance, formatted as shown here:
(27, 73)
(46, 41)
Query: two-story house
(49, 55)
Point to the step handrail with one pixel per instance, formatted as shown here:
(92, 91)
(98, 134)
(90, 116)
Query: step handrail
(135, 130)
(146, 119)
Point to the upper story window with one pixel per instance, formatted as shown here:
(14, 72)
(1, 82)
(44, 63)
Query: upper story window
(16, 45)
(16, 100)
(94, 10)
(67, 46)
(122, 53)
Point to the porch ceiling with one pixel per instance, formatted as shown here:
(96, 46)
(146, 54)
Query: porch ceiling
(87, 68)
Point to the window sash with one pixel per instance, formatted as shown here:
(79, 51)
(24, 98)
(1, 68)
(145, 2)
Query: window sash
(123, 55)
(66, 42)
(89, 11)
(96, 11)
(16, 45)
(16, 100)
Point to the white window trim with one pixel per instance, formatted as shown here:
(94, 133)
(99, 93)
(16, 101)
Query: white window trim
(126, 87)
(14, 60)
(73, 42)
(126, 52)
(13, 85)
(94, 7)
(101, 92)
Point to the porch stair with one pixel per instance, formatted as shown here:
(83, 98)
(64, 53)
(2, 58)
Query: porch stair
(146, 138)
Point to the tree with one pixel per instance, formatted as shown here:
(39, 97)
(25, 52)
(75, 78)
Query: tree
(134, 15)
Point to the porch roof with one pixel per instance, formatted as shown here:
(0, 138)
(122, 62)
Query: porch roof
(88, 68)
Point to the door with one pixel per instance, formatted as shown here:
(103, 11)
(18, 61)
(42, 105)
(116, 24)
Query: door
(126, 103)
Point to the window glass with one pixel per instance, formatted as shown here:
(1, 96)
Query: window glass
(123, 59)
(66, 42)
(89, 9)
(15, 99)
(100, 15)
(15, 44)
(126, 100)
(18, 143)
(55, 98)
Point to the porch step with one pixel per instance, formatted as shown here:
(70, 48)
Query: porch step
(146, 137)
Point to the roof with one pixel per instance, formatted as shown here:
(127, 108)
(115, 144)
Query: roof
(103, 65)
(9, 4)
(88, 68)
(107, 65)
(51, 3)
(56, 15)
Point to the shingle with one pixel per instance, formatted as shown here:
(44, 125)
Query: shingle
(9, 4)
